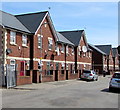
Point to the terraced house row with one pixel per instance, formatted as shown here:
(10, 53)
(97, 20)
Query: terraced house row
(34, 52)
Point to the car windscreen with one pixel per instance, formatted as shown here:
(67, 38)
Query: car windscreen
(116, 76)
(86, 71)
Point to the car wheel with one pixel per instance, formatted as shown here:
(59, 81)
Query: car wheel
(96, 79)
(110, 89)
(93, 79)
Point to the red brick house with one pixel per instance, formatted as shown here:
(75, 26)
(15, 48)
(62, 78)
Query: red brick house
(81, 51)
(115, 59)
(98, 59)
(68, 58)
(16, 49)
(43, 45)
(109, 58)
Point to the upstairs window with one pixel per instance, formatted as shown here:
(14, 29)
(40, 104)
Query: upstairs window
(79, 50)
(40, 41)
(62, 49)
(72, 50)
(89, 54)
(67, 52)
(50, 43)
(24, 40)
(12, 37)
(56, 46)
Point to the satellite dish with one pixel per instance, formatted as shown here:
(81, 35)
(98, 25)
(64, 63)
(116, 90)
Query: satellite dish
(84, 48)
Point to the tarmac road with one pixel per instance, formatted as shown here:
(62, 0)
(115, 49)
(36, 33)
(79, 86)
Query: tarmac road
(62, 94)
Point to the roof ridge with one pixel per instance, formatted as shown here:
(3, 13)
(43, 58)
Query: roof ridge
(104, 45)
(72, 31)
(6, 13)
(65, 38)
(30, 13)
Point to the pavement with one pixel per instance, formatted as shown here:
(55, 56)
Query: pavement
(62, 94)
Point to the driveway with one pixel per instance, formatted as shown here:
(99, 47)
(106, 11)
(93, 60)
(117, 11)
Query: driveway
(62, 94)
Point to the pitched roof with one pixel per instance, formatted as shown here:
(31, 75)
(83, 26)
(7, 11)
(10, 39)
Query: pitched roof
(115, 52)
(105, 48)
(62, 39)
(73, 36)
(10, 21)
(97, 49)
(31, 20)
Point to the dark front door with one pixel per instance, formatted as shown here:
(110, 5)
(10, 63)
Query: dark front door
(56, 71)
(66, 74)
(56, 75)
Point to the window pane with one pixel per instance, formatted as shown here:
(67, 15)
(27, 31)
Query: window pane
(12, 37)
(39, 41)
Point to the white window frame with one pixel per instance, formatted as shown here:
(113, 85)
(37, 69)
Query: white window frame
(89, 54)
(12, 37)
(72, 50)
(56, 46)
(24, 40)
(62, 48)
(67, 50)
(28, 65)
(58, 51)
(40, 41)
(13, 64)
(50, 43)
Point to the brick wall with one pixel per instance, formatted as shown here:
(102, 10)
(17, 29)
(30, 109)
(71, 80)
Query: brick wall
(85, 58)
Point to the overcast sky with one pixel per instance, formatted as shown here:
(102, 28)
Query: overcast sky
(99, 19)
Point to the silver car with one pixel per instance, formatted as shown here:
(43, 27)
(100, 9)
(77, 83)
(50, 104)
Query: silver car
(115, 81)
(89, 75)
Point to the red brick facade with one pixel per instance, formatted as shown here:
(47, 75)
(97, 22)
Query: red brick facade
(20, 54)
(44, 59)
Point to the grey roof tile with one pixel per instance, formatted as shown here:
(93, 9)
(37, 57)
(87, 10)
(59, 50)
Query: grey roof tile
(73, 36)
(31, 20)
(97, 49)
(105, 48)
(10, 21)
(62, 39)
(115, 52)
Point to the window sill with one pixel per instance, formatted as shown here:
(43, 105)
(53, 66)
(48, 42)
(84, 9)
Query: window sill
(62, 52)
(13, 44)
(50, 49)
(24, 46)
(39, 48)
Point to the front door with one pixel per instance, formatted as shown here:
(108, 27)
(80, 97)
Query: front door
(66, 74)
(56, 75)
(22, 69)
(56, 71)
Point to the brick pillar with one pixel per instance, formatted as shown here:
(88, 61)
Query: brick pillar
(31, 75)
(59, 75)
(64, 74)
(53, 75)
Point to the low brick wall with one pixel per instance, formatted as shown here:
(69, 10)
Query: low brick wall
(22, 80)
(73, 76)
(46, 78)
(61, 77)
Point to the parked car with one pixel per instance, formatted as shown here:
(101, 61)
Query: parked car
(115, 81)
(89, 75)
